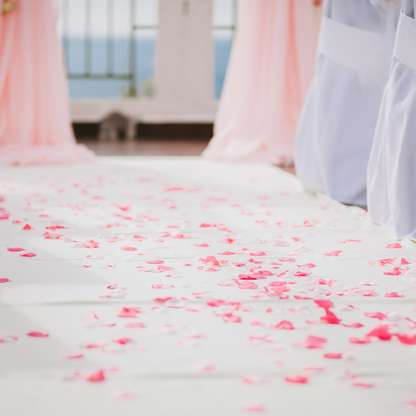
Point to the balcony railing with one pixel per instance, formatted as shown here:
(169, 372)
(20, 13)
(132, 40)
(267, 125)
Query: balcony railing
(110, 73)
(81, 41)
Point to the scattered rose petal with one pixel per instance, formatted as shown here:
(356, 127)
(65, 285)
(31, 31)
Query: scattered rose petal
(284, 325)
(36, 334)
(393, 295)
(127, 248)
(254, 408)
(334, 253)
(297, 379)
(394, 245)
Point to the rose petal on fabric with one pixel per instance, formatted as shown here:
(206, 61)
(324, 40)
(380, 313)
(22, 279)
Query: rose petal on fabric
(229, 317)
(314, 369)
(381, 332)
(254, 408)
(284, 325)
(15, 249)
(163, 300)
(4, 280)
(226, 253)
(376, 315)
(323, 303)
(393, 295)
(162, 286)
(252, 380)
(51, 235)
(126, 395)
(354, 325)
(357, 383)
(128, 248)
(394, 245)
(257, 323)
(330, 318)
(335, 253)
(202, 245)
(407, 339)
(297, 379)
(128, 313)
(354, 340)
(132, 325)
(393, 273)
(258, 253)
(308, 265)
(36, 334)
(28, 255)
(27, 227)
(73, 356)
(313, 342)
(96, 377)
(206, 367)
(123, 341)
(333, 355)
(155, 262)
(301, 274)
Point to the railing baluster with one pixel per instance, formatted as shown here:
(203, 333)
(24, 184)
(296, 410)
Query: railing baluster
(132, 68)
(110, 42)
(65, 24)
(87, 38)
(234, 14)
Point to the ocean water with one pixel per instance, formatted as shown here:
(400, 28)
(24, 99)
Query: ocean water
(144, 68)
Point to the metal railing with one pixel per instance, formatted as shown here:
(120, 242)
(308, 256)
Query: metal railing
(234, 22)
(130, 74)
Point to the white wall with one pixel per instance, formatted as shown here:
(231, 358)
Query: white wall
(184, 71)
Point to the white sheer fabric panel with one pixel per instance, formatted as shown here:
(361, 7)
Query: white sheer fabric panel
(392, 166)
(337, 124)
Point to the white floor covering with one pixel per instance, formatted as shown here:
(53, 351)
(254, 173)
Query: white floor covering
(212, 348)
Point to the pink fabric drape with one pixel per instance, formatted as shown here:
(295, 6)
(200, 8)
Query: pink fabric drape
(34, 112)
(270, 70)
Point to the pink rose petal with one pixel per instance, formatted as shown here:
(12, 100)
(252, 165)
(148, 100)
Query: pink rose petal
(28, 255)
(284, 325)
(394, 245)
(36, 334)
(297, 379)
(127, 248)
(335, 253)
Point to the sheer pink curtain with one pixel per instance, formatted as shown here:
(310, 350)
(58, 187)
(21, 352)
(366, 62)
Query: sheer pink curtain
(34, 110)
(270, 70)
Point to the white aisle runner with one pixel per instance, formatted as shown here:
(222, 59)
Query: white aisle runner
(178, 286)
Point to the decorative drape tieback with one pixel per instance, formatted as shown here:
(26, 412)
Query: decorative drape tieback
(8, 6)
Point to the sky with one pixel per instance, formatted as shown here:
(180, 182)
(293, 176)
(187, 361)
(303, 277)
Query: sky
(146, 14)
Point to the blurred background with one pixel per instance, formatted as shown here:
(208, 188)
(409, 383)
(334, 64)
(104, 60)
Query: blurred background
(145, 76)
